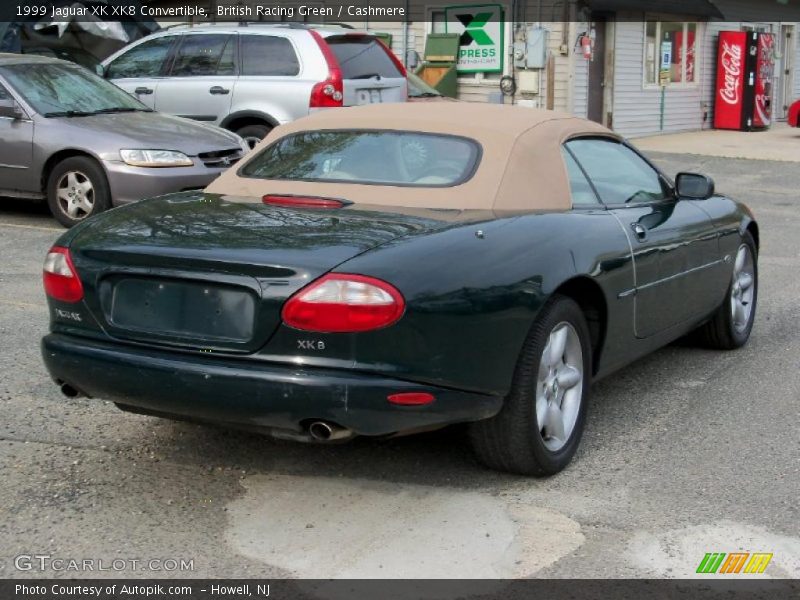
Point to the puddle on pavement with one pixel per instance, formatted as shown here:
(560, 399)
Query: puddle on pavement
(350, 528)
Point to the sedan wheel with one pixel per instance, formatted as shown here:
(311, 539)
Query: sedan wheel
(540, 425)
(730, 326)
(559, 387)
(75, 194)
(742, 288)
(76, 189)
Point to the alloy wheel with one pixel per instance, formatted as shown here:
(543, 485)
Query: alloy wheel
(559, 386)
(75, 194)
(742, 288)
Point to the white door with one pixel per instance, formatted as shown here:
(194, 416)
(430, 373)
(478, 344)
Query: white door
(200, 82)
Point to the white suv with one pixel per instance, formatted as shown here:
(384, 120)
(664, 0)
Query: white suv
(250, 78)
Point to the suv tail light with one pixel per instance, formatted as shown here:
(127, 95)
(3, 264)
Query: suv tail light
(344, 303)
(61, 280)
(328, 93)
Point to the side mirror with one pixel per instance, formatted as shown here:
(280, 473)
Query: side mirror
(100, 70)
(412, 59)
(10, 109)
(694, 186)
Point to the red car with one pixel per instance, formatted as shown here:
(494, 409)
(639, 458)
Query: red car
(794, 114)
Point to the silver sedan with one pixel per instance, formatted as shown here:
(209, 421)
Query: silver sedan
(85, 145)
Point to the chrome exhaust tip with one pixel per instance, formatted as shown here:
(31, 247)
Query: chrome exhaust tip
(321, 431)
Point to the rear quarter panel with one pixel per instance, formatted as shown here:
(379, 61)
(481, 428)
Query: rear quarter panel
(472, 299)
(283, 98)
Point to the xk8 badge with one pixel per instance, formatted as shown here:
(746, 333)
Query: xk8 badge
(310, 345)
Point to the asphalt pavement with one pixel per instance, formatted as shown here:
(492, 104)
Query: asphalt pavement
(687, 451)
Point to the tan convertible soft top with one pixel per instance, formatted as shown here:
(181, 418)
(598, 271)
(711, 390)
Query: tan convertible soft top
(521, 167)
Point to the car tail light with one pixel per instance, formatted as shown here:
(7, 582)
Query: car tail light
(397, 62)
(304, 201)
(61, 280)
(344, 303)
(411, 398)
(328, 93)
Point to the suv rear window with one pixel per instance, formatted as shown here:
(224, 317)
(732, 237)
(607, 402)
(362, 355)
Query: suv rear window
(372, 157)
(362, 57)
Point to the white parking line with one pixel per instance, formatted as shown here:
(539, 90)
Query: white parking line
(18, 226)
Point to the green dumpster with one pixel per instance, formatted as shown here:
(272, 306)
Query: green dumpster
(438, 68)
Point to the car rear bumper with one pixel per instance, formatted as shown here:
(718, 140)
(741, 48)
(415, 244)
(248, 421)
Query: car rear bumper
(248, 393)
(129, 184)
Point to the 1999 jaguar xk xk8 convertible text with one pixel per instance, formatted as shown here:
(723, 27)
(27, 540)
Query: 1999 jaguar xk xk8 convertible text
(389, 269)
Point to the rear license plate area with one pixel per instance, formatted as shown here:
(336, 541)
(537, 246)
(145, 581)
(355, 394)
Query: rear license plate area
(183, 309)
(368, 97)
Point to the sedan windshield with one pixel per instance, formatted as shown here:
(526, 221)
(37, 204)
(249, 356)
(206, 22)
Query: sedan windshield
(55, 90)
(376, 157)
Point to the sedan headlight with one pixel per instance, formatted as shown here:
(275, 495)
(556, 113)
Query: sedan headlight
(155, 158)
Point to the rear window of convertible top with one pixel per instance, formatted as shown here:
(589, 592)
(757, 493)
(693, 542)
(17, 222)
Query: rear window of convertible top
(368, 157)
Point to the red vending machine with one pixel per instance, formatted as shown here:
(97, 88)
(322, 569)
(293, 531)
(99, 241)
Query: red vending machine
(745, 71)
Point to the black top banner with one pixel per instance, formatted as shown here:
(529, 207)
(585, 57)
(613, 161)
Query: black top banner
(318, 11)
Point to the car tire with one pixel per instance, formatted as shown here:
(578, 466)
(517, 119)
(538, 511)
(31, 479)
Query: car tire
(77, 188)
(253, 134)
(732, 322)
(519, 439)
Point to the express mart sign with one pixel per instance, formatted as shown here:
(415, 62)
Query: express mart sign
(481, 29)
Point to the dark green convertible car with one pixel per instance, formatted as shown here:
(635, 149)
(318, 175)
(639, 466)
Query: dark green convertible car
(388, 269)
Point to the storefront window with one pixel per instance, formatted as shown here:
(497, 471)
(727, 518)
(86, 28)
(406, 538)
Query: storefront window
(670, 53)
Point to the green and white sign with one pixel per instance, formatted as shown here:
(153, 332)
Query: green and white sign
(481, 29)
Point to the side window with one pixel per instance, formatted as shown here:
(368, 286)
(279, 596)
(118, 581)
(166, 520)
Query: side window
(268, 55)
(619, 174)
(4, 95)
(201, 55)
(145, 60)
(581, 190)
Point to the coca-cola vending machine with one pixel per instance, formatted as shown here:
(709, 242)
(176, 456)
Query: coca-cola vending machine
(745, 71)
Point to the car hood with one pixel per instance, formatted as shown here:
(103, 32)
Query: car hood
(146, 130)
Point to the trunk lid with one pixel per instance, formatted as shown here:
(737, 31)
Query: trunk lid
(212, 274)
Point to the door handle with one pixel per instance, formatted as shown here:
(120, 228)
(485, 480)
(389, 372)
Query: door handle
(142, 91)
(218, 90)
(640, 231)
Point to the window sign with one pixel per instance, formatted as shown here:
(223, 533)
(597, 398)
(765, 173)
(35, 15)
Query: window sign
(665, 75)
(670, 53)
(481, 29)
